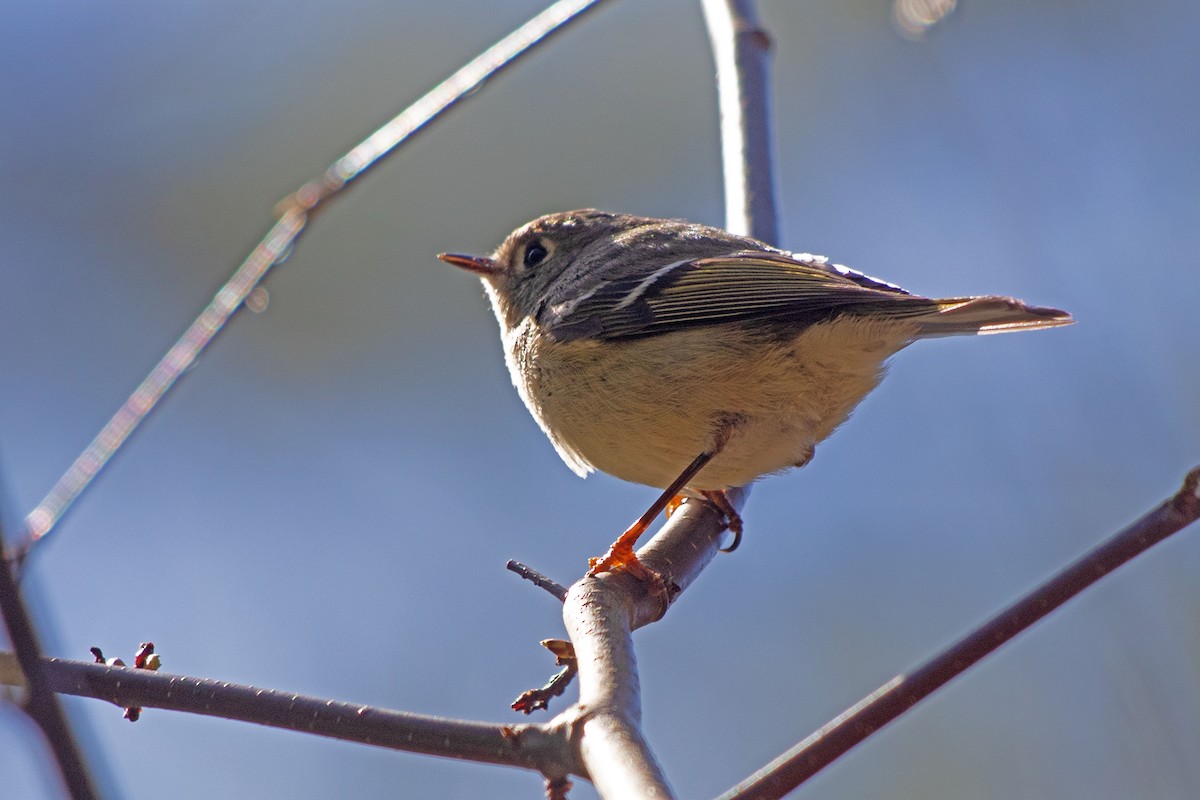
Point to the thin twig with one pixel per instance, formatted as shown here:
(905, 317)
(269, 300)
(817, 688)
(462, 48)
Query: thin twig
(296, 212)
(540, 747)
(904, 691)
(40, 703)
(532, 700)
(538, 579)
(538, 699)
(741, 51)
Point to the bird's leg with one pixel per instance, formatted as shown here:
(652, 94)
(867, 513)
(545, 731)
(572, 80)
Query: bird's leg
(620, 554)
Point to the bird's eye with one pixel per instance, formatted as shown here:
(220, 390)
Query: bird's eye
(535, 253)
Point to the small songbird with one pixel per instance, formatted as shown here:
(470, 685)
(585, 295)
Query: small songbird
(691, 359)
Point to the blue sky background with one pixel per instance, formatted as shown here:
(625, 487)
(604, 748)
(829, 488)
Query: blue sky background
(326, 503)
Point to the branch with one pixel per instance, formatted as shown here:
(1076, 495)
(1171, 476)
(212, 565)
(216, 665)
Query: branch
(538, 579)
(741, 49)
(541, 747)
(40, 703)
(904, 691)
(600, 614)
(295, 213)
(608, 681)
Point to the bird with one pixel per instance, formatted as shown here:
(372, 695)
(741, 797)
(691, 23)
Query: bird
(695, 360)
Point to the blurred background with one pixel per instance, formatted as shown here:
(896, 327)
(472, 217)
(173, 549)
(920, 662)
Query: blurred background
(326, 503)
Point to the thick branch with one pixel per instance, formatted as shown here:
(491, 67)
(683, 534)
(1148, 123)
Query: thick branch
(597, 614)
(904, 691)
(600, 613)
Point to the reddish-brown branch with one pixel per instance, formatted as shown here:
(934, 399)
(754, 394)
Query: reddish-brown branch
(904, 691)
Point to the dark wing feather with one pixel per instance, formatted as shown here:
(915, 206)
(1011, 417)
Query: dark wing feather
(744, 286)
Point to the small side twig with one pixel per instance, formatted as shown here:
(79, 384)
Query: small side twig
(538, 579)
(538, 699)
(904, 691)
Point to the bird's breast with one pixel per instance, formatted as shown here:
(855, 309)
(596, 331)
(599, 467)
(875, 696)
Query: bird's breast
(642, 409)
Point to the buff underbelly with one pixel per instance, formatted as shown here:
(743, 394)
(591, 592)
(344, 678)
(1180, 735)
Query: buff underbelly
(633, 410)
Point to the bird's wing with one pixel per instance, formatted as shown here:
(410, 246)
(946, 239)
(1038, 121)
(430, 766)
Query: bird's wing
(743, 286)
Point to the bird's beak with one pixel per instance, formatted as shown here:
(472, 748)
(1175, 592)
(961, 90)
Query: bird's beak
(480, 265)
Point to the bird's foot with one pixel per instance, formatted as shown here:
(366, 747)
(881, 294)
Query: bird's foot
(733, 520)
(674, 503)
(621, 558)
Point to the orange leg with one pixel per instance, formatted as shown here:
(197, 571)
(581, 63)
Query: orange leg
(620, 554)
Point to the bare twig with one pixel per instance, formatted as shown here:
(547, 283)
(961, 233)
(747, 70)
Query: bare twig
(538, 699)
(538, 579)
(741, 49)
(40, 702)
(295, 213)
(904, 691)
(540, 747)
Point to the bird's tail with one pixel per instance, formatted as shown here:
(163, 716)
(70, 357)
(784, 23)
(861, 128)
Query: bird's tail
(958, 316)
